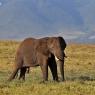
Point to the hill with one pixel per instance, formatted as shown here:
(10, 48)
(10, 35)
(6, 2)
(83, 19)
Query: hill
(37, 18)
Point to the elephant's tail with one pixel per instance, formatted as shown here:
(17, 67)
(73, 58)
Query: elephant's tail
(13, 75)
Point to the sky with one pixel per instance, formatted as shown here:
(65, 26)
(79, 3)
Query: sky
(71, 19)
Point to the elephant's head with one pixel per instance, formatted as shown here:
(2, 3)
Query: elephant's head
(57, 46)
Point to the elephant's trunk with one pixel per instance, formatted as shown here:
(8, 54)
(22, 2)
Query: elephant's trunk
(61, 65)
(60, 60)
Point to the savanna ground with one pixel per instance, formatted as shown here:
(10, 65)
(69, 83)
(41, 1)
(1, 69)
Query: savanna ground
(79, 73)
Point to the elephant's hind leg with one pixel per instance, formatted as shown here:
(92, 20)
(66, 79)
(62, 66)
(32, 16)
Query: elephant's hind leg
(17, 66)
(13, 74)
(44, 68)
(22, 73)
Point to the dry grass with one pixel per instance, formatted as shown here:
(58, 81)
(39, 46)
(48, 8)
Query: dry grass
(79, 73)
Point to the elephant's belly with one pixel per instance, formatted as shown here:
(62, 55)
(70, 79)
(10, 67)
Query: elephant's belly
(29, 62)
(30, 65)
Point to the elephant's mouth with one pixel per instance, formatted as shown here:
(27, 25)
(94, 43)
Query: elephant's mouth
(58, 59)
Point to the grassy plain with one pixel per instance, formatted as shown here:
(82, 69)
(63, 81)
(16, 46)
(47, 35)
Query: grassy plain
(79, 73)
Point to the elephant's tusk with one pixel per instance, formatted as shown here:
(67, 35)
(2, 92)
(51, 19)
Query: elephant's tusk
(57, 59)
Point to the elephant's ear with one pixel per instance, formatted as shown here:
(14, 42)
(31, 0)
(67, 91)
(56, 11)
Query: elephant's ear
(62, 42)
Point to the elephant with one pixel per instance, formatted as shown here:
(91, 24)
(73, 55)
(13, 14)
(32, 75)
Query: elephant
(41, 52)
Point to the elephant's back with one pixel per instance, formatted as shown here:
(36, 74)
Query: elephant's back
(26, 44)
(25, 52)
(29, 51)
(31, 45)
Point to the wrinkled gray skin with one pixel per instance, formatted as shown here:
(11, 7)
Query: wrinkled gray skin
(40, 52)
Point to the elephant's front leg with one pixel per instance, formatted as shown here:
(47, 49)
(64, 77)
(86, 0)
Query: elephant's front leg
(44, 68)
(53, 68)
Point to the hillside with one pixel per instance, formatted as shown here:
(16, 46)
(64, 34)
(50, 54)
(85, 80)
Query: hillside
(74, 20)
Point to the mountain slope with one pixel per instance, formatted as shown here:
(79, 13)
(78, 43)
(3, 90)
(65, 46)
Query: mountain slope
(37, 18)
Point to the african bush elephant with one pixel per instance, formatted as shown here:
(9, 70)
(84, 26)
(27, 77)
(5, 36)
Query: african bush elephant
(40, 52)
